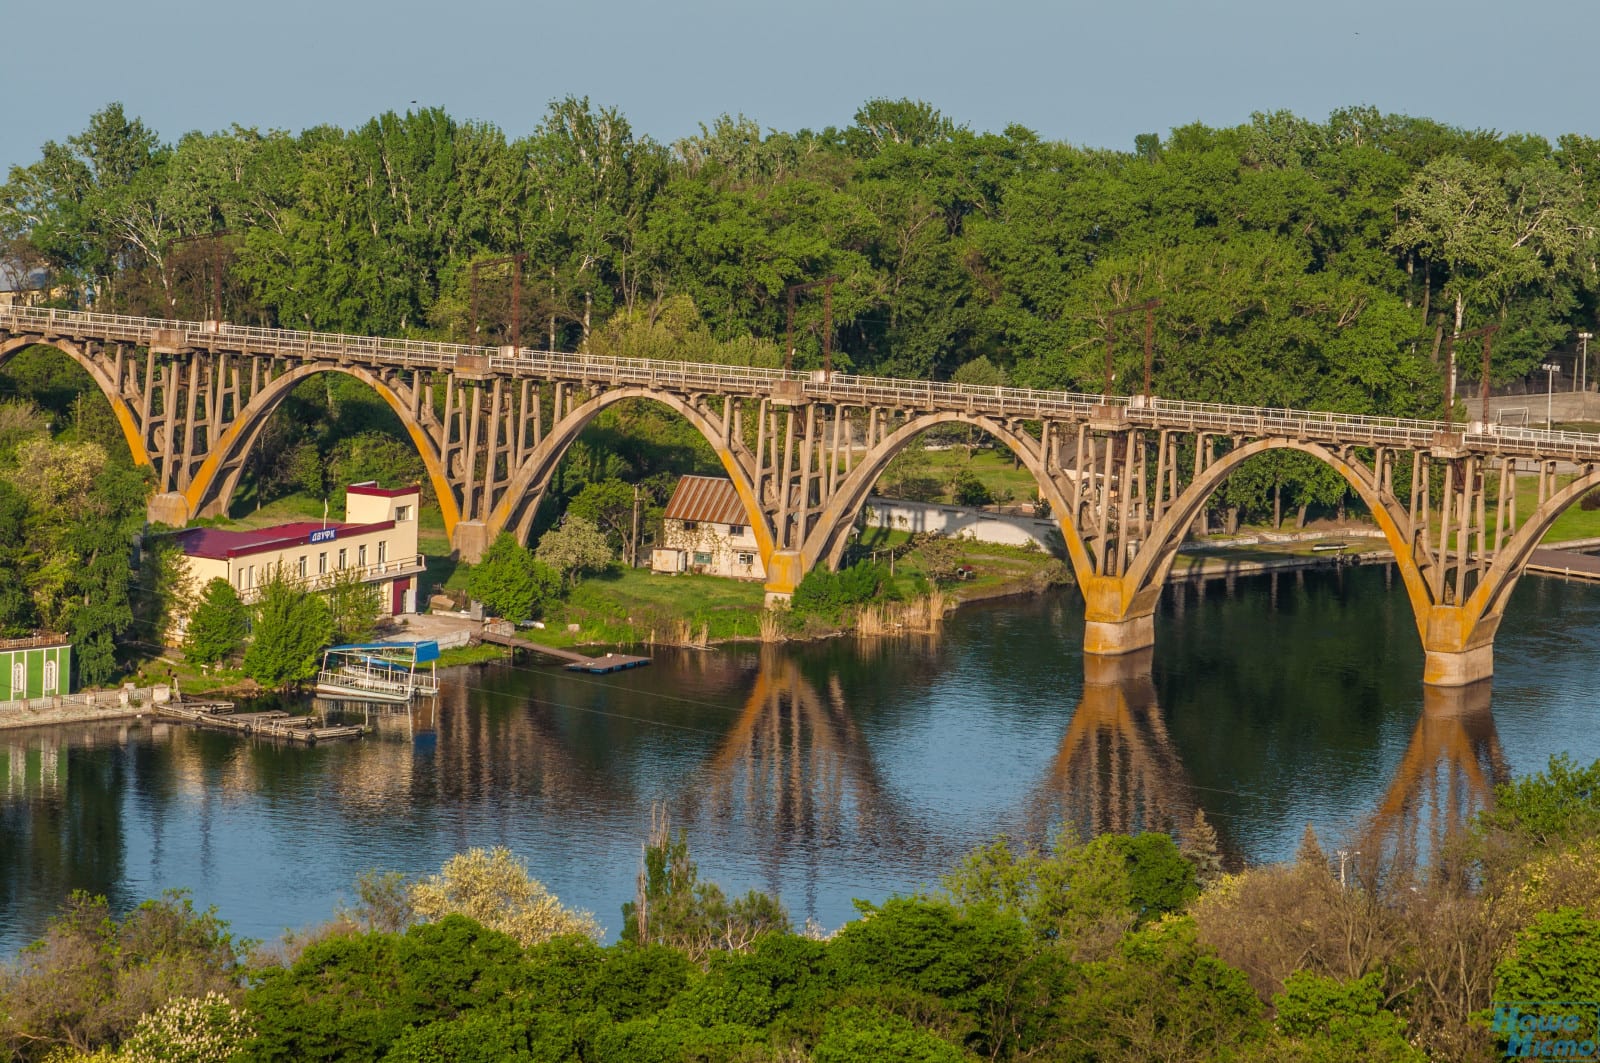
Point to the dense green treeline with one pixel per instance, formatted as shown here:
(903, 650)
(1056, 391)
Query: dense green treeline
(1299, 262)
(1322, 264)
(1124, 947)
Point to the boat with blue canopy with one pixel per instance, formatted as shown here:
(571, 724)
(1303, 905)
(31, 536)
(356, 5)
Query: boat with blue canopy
(380, 671)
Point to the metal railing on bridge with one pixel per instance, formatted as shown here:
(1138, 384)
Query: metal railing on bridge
(1007, 402)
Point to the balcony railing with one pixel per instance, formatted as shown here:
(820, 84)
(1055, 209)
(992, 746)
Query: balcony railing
(322, 581)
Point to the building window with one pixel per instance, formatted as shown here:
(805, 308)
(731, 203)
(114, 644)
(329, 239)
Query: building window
(383, 550)
(19, 676)
(736, 529)
(691, 525)
(49, 677)
(249, 577)
(342, 553)
(701, 559)
(361, 555)
(322, 563)
(747, 559)
(300, 566)
(402, 514)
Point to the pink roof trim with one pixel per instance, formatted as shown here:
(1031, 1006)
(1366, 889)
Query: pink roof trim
(382, 492)
(221, 544)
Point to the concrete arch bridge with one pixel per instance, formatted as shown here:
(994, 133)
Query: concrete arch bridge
(1126, 478)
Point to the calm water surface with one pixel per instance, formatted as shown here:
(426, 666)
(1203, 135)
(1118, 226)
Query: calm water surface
(827, 771)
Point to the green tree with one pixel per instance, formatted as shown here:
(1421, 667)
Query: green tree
(574, 549)
(218, 624)
(291, 627)
(353, 605)
(510, 582)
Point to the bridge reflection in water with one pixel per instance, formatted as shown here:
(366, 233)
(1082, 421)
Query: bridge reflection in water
(1447, 775)
(1116, 768)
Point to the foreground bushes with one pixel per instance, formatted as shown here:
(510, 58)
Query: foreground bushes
(1105, 950)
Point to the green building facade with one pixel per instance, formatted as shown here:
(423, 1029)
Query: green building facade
(34, 668)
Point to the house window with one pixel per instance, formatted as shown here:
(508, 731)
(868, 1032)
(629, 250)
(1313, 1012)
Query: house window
(342, 553)
(402, 514)
(249, 577)
(691, 525)
(361, 555)
(300, 566)
(736, 529)
(747, 559)
(322, 563)
(49, 677)
(19, 676)
(383, 550)
(701, 559)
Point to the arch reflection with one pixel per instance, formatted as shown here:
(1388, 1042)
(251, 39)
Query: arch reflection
(795, 767)
(1116, 768)
(1446, 775)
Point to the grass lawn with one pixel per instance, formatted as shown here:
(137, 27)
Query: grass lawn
(997, 469)
(629, 605)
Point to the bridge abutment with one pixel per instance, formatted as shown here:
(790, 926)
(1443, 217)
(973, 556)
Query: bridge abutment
(785, 570)
(170, 508)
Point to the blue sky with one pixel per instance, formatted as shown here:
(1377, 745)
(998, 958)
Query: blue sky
(1093, 74)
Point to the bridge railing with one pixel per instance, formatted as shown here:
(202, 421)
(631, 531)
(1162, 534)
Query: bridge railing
(838, 387)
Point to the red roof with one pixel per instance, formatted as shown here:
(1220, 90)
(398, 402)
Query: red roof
(381, 492)
(711, 499)
(221, 543)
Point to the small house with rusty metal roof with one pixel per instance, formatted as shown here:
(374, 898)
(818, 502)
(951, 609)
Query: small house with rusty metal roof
(705, 529)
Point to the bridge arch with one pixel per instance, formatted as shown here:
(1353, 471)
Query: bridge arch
(827, 540)
(1149, 569)
(214, 481)
(126, 420)
(516, 509)
(1490, 597)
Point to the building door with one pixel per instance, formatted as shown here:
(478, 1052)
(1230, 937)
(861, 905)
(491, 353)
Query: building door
(400, 587)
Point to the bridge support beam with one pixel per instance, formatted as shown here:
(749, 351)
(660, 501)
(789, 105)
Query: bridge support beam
(170, 508)
(470, 540)
(1118, 619)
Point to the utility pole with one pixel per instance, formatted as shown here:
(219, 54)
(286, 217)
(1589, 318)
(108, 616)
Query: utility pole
(1486, 332)
(1149, 307)
(1583, 360)
(515, 261)
(826, 284)
(215, 237)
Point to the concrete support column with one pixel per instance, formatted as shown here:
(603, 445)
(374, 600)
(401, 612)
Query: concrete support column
(1113, 638)
(1459, 647)
(470, 540)
(170, 508)
(784, 573)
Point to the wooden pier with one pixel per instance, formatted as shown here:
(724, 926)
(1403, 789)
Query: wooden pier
(575, 662)
(1567, 563)
(219, 716)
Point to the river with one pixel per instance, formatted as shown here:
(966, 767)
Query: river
(826, 771)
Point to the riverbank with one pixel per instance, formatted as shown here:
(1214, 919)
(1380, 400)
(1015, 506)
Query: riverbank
(90, 706)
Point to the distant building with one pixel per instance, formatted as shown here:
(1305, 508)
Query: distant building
(377, 538)
(35, 667)
(705, 529)
(27, 288)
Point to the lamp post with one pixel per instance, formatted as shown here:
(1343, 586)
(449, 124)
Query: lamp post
(1549, 393)
(1583, 360)
(215, 238)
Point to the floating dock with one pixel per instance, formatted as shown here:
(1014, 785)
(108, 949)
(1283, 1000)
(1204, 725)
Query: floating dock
(219, 716)
(575, 662)
(1567, 563)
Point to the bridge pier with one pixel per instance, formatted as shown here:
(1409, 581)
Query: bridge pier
(1459, 646)
(170, 508)
(469, 540)
(1114, 638)
(785, 570)
(1458, 668)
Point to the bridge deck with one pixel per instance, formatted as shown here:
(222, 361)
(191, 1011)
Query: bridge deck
(1326, 427)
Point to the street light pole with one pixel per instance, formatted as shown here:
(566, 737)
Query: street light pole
(1583, 362)
(1549, 394)
(826, 284)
